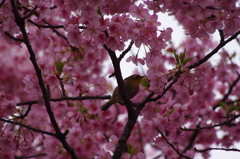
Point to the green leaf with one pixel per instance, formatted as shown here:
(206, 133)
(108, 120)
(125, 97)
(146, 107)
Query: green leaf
(144, 82)
(59, 66)
(176, 58)
(99, 11)
(186, 60)
(232, 108)
(182, 57)
(132, 150)
(170, 111)
(223, 105)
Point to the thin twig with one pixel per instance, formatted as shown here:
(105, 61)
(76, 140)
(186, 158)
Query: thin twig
(62, 86)
(214, 51)
(38, 155)
(171, 145)
(67, 98)
(32, 12)
(1, 4)
(26, 113)
(46, 26)
(224, 149)
(229, 91)
(221, 36)
(213, 126)
(73, 48)
(140, 137)
(12, 37)
(28, 127)
(126, 51)
(192, 139)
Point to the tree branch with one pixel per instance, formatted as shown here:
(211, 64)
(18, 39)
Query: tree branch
(46, 26)
(62, 86)
(126, 51)
(141, 105)
(12, 37)
(123, 139)
(221, 36)
(171, 145)
(224, 149)
(122, 89)
(1, 4)
(32, 156)
(132, 117)
(229, 91)
(67, 98)
(26, 113)
(175, 79)
(191, 140)
(29, 127)
(73, 48)
(59, 135)
(214, 51)
(32, 12)
(213, 126)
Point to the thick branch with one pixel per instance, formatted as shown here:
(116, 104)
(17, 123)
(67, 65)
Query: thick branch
(123, 139)
(122, 89)
(21, 23)
(132, 117)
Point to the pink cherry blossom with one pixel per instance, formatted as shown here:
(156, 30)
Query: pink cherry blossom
(56, 57)
(52, 80)
(135, 60)
(139, 156)
(9, 108)
(113, 141)
(139, 11)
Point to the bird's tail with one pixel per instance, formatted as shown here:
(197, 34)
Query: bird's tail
(105, 106)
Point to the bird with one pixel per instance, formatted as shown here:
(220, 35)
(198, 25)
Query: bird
(132, 86)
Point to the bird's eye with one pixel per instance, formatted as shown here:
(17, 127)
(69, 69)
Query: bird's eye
(135, 76)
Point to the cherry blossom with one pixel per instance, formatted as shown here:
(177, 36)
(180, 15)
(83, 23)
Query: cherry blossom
(58, 58)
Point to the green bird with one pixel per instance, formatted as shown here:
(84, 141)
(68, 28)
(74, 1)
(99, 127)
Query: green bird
(132, 86)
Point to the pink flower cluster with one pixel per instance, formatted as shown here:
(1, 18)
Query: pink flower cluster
(71, 40)
(201, 18)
